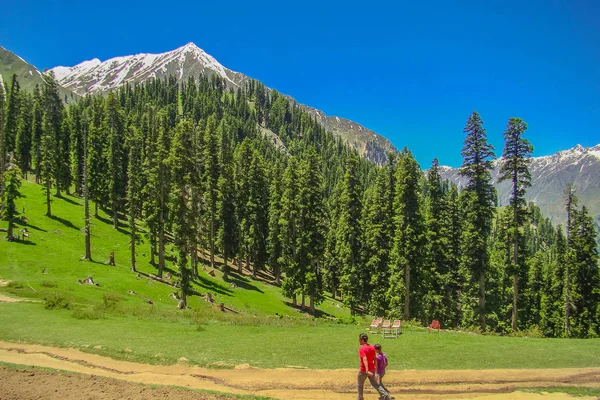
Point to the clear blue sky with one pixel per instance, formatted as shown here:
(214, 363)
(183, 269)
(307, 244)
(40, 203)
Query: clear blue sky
(412, 72)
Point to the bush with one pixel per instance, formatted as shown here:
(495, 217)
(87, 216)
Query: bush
(93, 312)
(49, 284)
(110, 300)
(16, 285)
(56, 301)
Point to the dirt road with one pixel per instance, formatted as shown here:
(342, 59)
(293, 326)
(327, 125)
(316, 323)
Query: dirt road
(293, 384)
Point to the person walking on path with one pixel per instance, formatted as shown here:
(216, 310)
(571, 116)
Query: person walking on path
(382, 363)
(368, 368)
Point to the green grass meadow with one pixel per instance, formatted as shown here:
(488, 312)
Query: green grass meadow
(108, 320)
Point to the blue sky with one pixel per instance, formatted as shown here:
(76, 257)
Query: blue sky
(412, 72)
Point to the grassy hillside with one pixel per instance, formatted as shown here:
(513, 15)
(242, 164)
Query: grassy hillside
(115, 318)
(27, 75)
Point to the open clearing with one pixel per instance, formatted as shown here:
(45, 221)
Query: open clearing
(97, 374)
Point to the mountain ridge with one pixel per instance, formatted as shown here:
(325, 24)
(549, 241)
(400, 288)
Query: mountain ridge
(550, 174)
(98, 77)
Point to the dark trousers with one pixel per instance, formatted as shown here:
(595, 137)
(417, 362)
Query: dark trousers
(362, 377)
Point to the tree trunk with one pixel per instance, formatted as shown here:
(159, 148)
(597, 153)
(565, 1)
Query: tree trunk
(302, 306)
(515, 303)
(48, 207)
(10, 226)
(212, 241)
(407, 294)
(153, 250)
(96, 209)
(294, 300)
(482, 301)
(86, 209)
(161, 251)
(312, 304)
(133, 243)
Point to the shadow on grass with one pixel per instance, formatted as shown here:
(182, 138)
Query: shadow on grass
(121, 225)
(211, 286)
(63, 221)
(28, 225)
(240, 280)
(69, 200)
(24, 242)
(317, 314)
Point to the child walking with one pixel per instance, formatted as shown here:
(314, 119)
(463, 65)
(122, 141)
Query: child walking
(382, 363)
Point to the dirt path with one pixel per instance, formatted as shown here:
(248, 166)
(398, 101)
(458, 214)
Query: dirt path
(292, 384)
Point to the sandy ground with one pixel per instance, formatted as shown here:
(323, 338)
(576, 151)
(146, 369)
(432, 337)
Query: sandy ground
(96, 379)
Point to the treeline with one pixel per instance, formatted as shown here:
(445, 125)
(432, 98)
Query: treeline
(199, 166)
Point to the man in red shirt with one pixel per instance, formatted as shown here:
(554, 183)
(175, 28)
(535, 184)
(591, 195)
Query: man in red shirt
(368, 368)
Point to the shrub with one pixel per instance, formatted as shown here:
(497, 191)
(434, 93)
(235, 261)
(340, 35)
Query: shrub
(110, 300)
(49, 284)
(16, 285)
(93, 312)
(56, 301)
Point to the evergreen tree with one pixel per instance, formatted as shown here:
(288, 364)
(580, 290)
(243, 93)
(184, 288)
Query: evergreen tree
(408, 280)
(37, 133)
(134, 185)
(181, 162)
(516, 155)
(585, 276)
(310, 244)
(211, 180)
(479, 206)
(24, 135)
(570, 206)
(11, 123)
(288, 230)
(378, 235)
(12, 186)
(349, 237)
(85, 126)
(2, 123)
(52, 140)
(227, 232)
(114, 126)
(274, 245)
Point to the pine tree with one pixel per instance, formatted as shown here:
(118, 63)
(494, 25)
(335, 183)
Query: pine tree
(52, 127)
(2, 145)
(585, 276)
(349, 237)
(274, 245)
(85, 126)
(227, 231)
(288, 230)
(477, 155)
(310, 244)
(379, 227)
(11, 123)
(516, 155)
(407, 278)
(570, 206)
(12, 186)
(114, 126)
(36, 151)
(210, 180)
(181, 162)
(134, 185)
(24, 135)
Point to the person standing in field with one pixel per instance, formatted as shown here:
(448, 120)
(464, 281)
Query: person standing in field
(368, 368)
(382, 363)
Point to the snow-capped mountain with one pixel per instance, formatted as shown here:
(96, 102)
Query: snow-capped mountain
(96, 77)
(550, 174)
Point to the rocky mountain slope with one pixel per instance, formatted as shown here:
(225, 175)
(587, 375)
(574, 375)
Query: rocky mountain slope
(550, 174)
(27, 75)
(96, 77)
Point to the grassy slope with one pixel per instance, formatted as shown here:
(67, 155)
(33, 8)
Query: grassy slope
(135, 330)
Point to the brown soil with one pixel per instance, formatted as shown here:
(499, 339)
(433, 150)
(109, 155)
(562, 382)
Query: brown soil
(104, 378)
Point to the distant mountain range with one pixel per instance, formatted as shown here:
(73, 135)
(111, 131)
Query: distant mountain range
(96, 77)
(550, 174)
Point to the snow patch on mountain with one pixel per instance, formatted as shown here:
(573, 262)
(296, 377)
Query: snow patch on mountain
(95, 76)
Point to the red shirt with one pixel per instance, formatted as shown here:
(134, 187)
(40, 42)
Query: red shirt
(367, 351)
